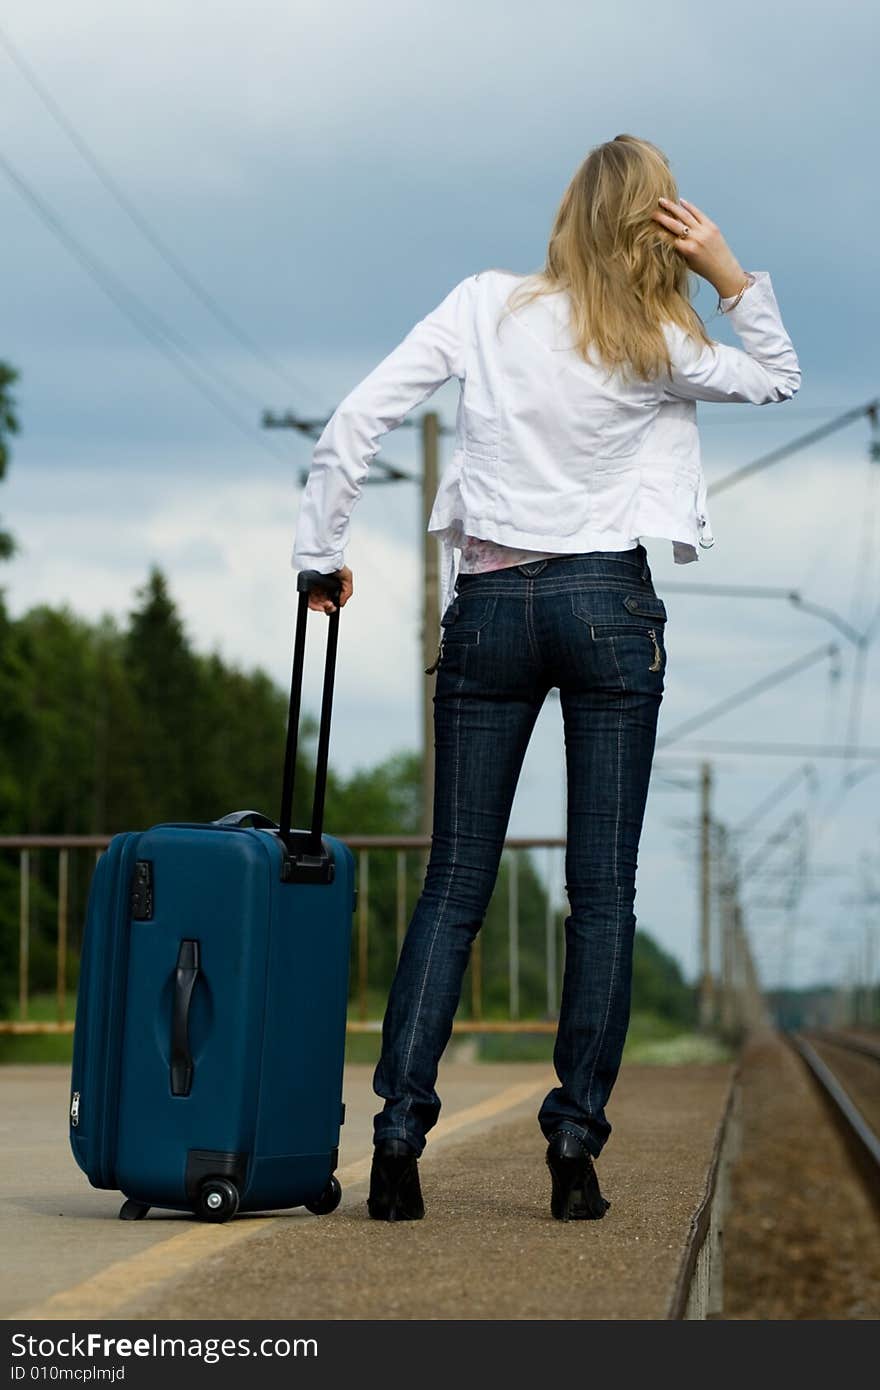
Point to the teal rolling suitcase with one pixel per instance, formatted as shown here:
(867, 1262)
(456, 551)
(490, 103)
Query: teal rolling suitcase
(210, 1023)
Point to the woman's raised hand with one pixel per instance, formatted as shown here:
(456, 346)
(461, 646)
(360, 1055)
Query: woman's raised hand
(704, 247)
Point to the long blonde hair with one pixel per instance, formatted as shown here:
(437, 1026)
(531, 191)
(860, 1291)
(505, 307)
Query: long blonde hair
(620, 267)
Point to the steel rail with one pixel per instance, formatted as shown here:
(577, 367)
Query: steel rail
(849, 1117)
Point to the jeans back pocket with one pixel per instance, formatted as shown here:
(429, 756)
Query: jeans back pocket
(627, 631)
(466, 616)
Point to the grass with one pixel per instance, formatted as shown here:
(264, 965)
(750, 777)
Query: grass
(684, 1050)
(39, 1047)
(651, 1040)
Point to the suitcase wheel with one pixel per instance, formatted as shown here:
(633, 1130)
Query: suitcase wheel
(217, 1200)
(132, 1210)
(328, 1200)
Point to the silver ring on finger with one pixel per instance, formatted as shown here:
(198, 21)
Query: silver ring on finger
(686, 230)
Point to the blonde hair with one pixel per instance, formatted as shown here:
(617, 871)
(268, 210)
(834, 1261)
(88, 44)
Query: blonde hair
(620, 267)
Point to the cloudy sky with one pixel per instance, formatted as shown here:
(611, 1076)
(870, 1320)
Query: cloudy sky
(323, 173)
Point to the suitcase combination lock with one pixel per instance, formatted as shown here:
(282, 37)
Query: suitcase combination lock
(142, 891)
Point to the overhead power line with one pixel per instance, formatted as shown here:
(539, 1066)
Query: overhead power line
(148, 323)
(863, 586)
(795, 750)
(774, 591)
(714, 420)
(168, 255)
(792, 823)
(748, 693)
(776, 455)
(382, 470)
(746, 825)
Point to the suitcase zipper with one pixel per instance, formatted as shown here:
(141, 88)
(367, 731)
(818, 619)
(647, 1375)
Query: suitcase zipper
(104, 1044)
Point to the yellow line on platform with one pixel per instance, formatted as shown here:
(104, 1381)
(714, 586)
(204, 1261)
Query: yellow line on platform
(101, 1295)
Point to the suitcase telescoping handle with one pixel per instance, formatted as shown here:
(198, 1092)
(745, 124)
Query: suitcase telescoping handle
(306, 580)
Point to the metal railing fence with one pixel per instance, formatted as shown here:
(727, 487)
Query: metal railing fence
(482, 1011)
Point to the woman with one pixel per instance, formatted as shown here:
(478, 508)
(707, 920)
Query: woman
(576, 436)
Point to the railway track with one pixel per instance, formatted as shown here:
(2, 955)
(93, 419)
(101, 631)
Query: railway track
(846, 1068)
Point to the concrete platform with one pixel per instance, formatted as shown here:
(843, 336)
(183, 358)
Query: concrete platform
(487, 1248)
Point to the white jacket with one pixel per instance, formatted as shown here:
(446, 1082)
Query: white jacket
(548, 455)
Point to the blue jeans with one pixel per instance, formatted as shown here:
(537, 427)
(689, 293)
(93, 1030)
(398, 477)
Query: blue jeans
(591, 625)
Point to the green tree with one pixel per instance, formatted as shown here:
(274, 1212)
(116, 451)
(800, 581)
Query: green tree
(13, 712)
(658, 984)
(53, 754)
(8, 426)
(243, 719)
(210, 737)
(118, 799)
(166, 682)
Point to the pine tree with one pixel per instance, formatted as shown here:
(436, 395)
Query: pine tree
(8, 425)
(165, 678)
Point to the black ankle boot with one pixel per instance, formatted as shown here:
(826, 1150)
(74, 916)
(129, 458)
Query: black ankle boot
(575, 1195)
(395, 1193)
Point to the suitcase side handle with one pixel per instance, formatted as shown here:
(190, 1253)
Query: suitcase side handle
(313, 855)
(185, 975)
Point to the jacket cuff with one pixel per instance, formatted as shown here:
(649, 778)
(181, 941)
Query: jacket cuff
(324, 564)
